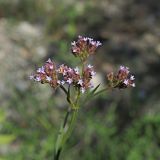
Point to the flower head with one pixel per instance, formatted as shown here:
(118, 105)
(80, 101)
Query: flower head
(84, 47)
(46, 74)
(122, 79)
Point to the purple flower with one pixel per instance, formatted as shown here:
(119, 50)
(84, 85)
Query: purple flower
(133, 85)
(49, 61)
(62, 82)
(48, 78)
(90, 66)
(80, 82)
(69, 81)
(93, 73)
(84, 47)
(41, 70)
(132, 78)
(38, 79)
(126, 82)
(122, 79)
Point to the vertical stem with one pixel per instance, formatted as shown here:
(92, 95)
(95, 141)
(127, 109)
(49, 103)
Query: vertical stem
(66, 118)
(65, 133)
(71, 126)
(60, 135)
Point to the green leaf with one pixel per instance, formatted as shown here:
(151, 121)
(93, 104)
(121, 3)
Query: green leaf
(95, 89)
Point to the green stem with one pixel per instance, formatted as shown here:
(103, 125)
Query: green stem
(63, 88)
(71, 126)
(65, 132)
(58, 146)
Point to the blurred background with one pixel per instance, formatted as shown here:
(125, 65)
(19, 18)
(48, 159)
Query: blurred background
(120, 125)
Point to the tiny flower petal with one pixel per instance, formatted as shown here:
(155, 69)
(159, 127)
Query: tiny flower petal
(90, 66)
(126, 82)
(38, 79)
(48, 78)
(85, 38)
(59, 82)
(62, 82)
(98, 43)
(132, 78)
(69, 81)
(49, 60)
(70, 70)
(121, 67)
(73, 43)
(80, 82)
(133, 85)
(41, 70)
(93, 73)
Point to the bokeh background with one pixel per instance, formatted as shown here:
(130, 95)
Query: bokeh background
(120, 125)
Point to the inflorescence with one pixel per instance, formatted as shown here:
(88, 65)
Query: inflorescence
(64, 75)
(80, 78)
(84, 47)
(121, 79)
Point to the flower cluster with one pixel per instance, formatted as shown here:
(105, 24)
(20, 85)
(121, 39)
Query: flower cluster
(122, 79)
(46, 74)
(84, 47)
(64, 75)
(80, 79)
(77, 79)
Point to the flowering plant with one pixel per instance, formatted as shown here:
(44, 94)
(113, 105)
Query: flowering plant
(78, 81)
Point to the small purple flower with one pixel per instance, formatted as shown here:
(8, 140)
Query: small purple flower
(98, 43)
(69, 81)
(70, 70)
(49, 61)
(48, 78)
(126, 82)
(38, 79)
(41, 70)
(132, 78)
(62, 82)
(133, 85)
(73, 43)
(124, 69)
(90, 66)
(51, 66)
(85, 38)
(80, 82)
(93, 73)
